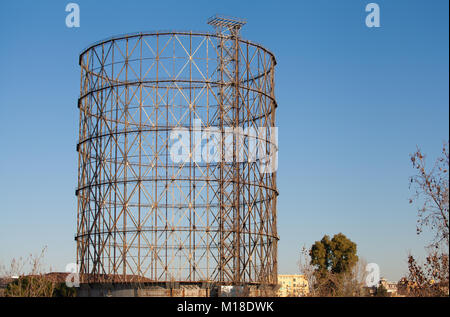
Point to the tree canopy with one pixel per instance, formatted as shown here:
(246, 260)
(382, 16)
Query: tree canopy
(337, 255)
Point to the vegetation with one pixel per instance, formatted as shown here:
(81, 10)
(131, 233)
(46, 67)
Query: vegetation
(35, 283)
(332, 267)
(337, 255)
(30, 286)
(431, 188)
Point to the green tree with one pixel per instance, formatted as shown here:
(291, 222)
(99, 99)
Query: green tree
(334, 261)
(336, 256)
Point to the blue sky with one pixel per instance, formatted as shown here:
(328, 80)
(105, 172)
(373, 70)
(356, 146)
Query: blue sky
(353, 104)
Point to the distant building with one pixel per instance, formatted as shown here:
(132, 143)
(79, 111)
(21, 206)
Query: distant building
(391, 287)
(292, 285)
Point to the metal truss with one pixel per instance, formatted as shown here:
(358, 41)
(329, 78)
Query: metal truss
(143, 217)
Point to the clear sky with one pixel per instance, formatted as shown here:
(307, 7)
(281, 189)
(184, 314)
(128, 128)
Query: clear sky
(353, 104)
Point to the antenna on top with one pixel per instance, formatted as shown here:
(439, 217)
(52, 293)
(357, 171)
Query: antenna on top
(221, 22)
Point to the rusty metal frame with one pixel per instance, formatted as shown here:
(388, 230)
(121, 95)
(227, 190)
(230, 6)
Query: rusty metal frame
(142, 217)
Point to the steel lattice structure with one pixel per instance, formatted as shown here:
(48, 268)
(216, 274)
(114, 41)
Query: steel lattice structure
(142, 216)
